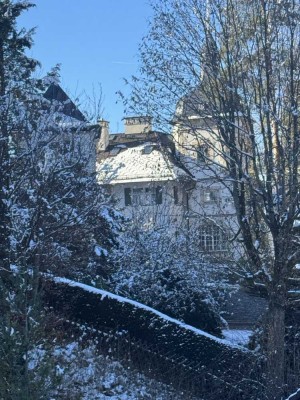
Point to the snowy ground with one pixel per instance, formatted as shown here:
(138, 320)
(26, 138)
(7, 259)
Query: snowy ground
(236, 336)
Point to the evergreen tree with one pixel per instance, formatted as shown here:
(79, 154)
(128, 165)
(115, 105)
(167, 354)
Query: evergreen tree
(51, 210)
(15, 72)
(171, 274)
(16, 285)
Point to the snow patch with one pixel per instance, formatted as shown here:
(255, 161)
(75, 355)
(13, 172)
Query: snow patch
(99, 251)
(235, 336)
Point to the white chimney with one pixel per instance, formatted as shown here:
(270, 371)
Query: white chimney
(134, 125)
(104, 137)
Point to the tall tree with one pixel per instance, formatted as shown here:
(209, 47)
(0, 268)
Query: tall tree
(15, 71)
(234, 65)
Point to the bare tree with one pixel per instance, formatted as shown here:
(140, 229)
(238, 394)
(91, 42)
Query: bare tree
(232, 69)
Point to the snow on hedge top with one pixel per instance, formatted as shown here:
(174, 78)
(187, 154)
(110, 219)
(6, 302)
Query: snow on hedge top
(294, 396)
(136, 164)
(164, 317)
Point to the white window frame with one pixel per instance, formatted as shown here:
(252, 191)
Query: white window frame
(210, 196)
(212, 238)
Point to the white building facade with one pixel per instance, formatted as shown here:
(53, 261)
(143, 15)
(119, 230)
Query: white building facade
(166, 181)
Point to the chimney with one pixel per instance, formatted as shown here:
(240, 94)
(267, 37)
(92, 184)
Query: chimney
(135, 125)
(104, 137)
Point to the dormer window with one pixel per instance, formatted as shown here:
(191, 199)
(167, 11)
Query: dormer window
(147, 149)
(115, 151)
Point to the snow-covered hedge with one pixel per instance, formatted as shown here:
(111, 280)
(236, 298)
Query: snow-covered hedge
(99, 308)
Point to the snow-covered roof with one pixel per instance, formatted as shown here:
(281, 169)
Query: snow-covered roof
(143, 163)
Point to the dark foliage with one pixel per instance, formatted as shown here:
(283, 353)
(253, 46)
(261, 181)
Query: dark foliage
(201, 352)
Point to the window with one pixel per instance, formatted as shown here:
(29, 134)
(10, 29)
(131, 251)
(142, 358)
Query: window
(127, 195)
(202, 153)
(138, 198)
(147, 149)
(143, 196)
(158, 195)
(115, 151)
(212, 238)
(175, 193)
(210, 195)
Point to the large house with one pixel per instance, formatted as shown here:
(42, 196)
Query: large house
(143, 174)
(162, 180)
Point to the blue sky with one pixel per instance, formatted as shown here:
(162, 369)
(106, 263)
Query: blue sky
(95, 41)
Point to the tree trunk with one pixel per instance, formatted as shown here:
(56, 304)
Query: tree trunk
(275, 345)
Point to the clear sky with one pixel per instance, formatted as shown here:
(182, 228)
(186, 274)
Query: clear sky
(95, 41)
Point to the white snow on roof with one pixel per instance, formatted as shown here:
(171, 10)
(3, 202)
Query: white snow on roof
(132, 165)
(104, 293)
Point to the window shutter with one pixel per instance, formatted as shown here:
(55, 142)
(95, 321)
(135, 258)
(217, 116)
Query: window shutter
(175, 190)
(158, 192)
(127, 194)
